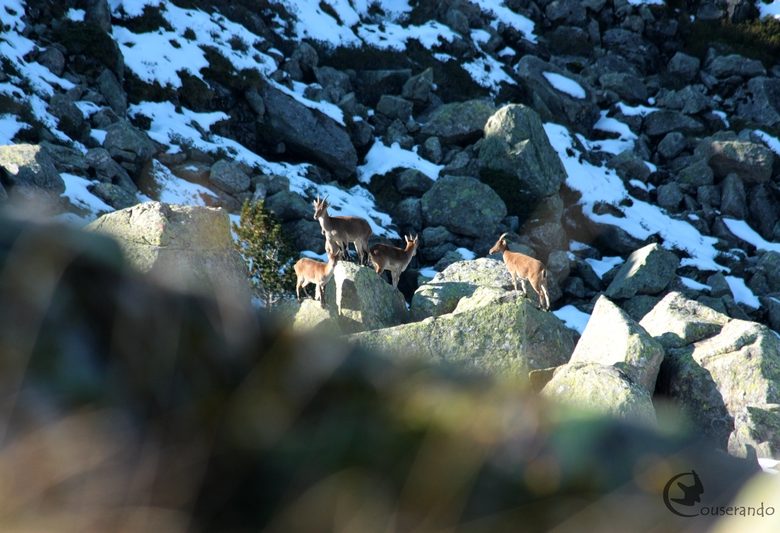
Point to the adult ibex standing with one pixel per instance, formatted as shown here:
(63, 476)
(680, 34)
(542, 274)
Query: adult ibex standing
(386, 257)
(340, 231)
(311, 271)
(524, 267)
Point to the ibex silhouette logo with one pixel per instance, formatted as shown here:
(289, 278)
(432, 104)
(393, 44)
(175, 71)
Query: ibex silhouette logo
(681, 495)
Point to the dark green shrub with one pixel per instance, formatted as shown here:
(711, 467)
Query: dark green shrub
(269, 257)
(758, 39)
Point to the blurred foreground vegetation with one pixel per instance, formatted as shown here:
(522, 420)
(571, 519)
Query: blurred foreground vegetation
(127, 407)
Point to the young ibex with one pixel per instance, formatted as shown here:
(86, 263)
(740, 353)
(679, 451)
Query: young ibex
(311, 271)
(340, 231)
(524, 267)
(386, 257)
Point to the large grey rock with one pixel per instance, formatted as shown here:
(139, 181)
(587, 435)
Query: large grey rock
(363, 300)
(128, 145)
(732, 199)
(601, 388)
(307, 132)
(229, 176)
(287, 205)
(566, 12)
(769, 265)
(750, 161)
(763, 104)
(648, 270)
(459, 122)
(463, 205)
(756, 430)
(677, 321)
(517, 159)
(114, 195)
(28, 165)
(625, 85)
(691, 99)
(508, 336)
(459, 280)
(672, 144)
(395, 107)
(718, 379)
(185, 247)
(66, 159)
(665, 121)
(113, 92)
(735, 65)
(639, 52)
(580, 113)
(614, 338)
(683, 67)
(629, 166)
(418, 88)
(309, 314)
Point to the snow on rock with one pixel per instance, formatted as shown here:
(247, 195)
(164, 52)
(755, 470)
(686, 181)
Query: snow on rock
(640, 110)
(604, 265)
(381, 159)
(573, 318)
(773, 143)
(503, 15)
(9, 127)
(77, 193)
(171, 189)
(564, 85)
(743, 231)
(742, 294)
(599, 184)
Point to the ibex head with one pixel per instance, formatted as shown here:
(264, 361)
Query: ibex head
(412, 243)
(500, 245)
(320, 206)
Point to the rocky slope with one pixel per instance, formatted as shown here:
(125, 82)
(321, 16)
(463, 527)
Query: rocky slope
(634, 159)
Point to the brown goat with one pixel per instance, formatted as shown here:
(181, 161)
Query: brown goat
(386, 257)
(524, 267)
(340, 231)
(312, 271)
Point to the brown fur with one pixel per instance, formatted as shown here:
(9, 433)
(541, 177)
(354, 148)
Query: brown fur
(340, 231)
(312, 271)
(386, 257)
(524, 267)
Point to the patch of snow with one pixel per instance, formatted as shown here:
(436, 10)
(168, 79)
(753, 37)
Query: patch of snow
(743, 231)
(77, 194)
(487, 72)
(632, 111)
(506, 52)
(649, 2)
(175, 190)
(639, 184)
(98, 135)
(131, 8)
(742, 293)
(564, 85)
(598, 184)
(381, 159)
(502, 14)
(331, 110)
(466, 254)
(480, 36)
(428, 272)
(625, 137)
(9, 127)
(573, 318)
(772, 142)
(769, 465)
(604, 265)
(87, 108)
(693, 284)
(723, 117)
(76, 15)
(311, 255)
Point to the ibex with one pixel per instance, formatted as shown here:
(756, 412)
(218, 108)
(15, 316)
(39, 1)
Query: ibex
(386, 257)
(312, 271)
(340, 231)
(524, 267)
